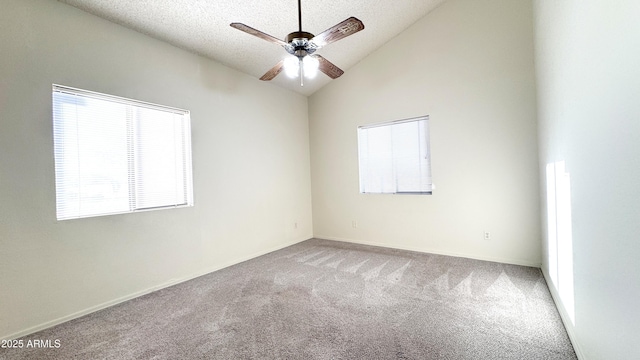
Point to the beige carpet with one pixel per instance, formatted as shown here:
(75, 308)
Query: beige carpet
(328, 300)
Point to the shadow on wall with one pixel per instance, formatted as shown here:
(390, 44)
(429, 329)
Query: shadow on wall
(560, 252)
(214, 77)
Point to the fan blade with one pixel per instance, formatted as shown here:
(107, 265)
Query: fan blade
(258, 33)
(273, 72)
(337, 32)
(327, 67)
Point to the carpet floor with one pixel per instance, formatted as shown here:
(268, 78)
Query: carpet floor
(324, 299)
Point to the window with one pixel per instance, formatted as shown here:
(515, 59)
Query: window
(394, 157)
(115, 155)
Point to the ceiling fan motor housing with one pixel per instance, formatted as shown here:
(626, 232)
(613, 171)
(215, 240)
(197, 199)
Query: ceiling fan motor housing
(299, 45)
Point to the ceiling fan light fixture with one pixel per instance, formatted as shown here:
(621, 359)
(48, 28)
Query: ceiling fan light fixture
(310, 65)
(291, 66)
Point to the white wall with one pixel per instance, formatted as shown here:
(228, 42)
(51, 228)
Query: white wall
(469, 66)
(250, 164)
(588, 77)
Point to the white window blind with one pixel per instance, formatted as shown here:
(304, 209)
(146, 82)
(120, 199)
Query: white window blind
(116, 155)
(394, 157)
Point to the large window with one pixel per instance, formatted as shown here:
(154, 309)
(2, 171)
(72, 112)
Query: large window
(394, 157)
(116, 155)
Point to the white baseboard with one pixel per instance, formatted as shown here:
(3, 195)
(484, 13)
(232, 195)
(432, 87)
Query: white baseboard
(122, 299)
(432, 251)
(564, 315)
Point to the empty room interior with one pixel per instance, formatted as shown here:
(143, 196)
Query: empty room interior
(533, 114)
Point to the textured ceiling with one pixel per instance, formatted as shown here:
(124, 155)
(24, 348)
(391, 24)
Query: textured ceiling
(202, 27)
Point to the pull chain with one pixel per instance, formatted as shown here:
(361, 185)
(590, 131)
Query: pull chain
(301, 73)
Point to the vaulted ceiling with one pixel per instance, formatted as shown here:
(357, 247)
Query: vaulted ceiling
(202, 27)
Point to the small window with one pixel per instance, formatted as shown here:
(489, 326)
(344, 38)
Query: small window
(394, 157)
(116, 155)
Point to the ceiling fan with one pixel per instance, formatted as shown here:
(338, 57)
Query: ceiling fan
(303, 45)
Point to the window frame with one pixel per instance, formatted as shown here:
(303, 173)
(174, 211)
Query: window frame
(134, 118)
(427, 150)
